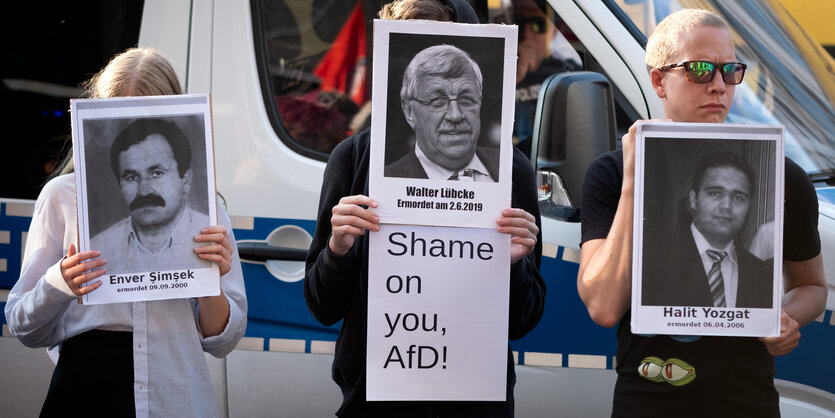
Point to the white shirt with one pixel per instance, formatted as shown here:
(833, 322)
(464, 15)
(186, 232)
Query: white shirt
(436, 172)
(171, 378)
(729, 265)
(121, 238)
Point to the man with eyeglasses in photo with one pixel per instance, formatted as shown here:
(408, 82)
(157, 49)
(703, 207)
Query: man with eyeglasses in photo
(694, 70)
(441, 101)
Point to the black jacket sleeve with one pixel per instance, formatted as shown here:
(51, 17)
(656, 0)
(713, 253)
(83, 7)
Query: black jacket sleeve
(801, 239)
(527, 289)
(330, 279)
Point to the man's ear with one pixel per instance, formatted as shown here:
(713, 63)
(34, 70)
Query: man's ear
(692, 201)
(408, 112)
(657, 79)
(186, 181)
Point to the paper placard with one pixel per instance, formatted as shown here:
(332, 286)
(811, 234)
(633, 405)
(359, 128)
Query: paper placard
(707, 251)
(437, 314)
(145, 187)
(421, 136)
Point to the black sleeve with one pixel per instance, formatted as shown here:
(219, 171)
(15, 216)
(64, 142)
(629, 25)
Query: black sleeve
(601, 194)
(329, 279)
(527, 289)
(801, 240)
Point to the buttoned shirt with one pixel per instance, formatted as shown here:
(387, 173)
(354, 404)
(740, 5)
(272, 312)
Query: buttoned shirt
(171, 378)
(177, 253)
(436, 172)
(729, 265)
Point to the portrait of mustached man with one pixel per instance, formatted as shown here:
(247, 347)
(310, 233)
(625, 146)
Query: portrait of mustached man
(151, 160)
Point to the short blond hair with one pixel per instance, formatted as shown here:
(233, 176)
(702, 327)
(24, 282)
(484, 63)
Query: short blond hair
(417, 9)
(663, 43)
(135, 72)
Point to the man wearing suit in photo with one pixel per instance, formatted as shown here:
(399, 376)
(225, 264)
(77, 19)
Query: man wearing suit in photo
(441, 101)
(705, 265)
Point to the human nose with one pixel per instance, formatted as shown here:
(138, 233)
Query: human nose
(453, 111)
(725, 202)
(717, 84)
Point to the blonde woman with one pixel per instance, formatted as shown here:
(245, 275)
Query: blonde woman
(124, 359)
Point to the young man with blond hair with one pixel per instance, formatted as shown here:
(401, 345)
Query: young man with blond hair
(694, 71)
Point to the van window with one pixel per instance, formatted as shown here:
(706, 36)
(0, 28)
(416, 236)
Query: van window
(48, 51)
(315, 69)
(316, 65)
(546, 47)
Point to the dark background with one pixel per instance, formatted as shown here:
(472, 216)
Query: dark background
(59, 44)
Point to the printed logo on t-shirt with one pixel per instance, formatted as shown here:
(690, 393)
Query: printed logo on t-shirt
(674, 371)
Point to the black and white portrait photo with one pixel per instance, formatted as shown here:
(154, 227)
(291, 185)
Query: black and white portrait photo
(146, 190)
(704, 203)
(706, 225)
(444, 95)
(144, 173)
(442, 122)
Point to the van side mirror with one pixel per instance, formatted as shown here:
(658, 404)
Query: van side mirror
(574, 122)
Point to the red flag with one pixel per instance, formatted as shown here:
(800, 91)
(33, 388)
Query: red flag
(343, 68)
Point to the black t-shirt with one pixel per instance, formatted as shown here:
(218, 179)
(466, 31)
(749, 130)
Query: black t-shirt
(706, 376)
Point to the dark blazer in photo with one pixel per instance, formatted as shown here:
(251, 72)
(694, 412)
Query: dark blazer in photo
(674, 275)
(409, 166)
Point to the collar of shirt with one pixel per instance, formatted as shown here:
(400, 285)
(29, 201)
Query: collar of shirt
(729, 264)
(436, 172)
(181, 231)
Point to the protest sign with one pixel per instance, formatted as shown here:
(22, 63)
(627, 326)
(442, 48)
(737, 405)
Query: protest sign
(145, 187)
(707, 250)
(437, 314)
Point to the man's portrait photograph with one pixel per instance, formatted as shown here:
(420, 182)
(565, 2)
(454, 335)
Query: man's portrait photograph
(701, 219)
(443, 107)
(146, 190)
(145, 184)
(442, 122)
(708, 223)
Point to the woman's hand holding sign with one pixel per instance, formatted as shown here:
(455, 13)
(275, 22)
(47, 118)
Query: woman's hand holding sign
(349, 220)
(218, 250)
(76, 272)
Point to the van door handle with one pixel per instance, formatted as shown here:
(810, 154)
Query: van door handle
(261, 251)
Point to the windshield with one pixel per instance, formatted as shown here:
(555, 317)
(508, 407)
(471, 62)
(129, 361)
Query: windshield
(790, 79)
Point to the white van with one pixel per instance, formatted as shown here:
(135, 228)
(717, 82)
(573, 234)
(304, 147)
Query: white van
(276, 118)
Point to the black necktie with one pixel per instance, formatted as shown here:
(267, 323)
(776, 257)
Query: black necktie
(467, 174)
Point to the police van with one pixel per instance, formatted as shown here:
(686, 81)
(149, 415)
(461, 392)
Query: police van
(289, 79)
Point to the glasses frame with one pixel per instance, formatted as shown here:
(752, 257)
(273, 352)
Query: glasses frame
(476, 102)
(716, 67)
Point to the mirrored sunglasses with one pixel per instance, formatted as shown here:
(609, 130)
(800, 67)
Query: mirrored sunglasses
(704, 71)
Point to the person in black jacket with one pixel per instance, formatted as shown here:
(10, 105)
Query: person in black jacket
(336, 281)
